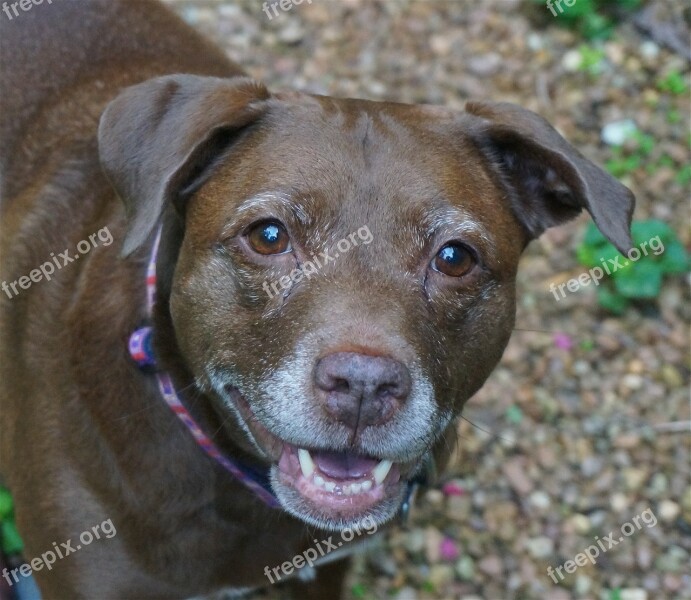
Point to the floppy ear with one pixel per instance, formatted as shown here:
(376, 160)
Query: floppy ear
(547, 179)
(158, 138)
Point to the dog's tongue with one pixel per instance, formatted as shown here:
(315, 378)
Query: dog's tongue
(343, 465)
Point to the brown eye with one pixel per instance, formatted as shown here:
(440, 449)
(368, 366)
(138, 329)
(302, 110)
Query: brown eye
(454, 260)
(269, 237)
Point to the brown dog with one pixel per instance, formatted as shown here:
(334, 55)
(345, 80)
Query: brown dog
(336, 367)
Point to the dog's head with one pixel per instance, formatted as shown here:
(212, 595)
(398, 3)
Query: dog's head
(345, 278)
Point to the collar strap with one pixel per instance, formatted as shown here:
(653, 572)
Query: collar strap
(141, 351)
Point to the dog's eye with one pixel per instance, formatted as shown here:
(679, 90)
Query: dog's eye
(269, 237)
(454, 260)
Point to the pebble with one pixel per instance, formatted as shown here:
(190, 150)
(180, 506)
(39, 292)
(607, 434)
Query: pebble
(540, 500)
(515, 471)
(540, 547)
(440, 575)
(433, 539)
(491, 565)
(465, 568)
(668, 510)
(415, 541)
(581, 523)
(619, 502)
(406, 593)
(617, 132)
(633, 594)
(458, 508)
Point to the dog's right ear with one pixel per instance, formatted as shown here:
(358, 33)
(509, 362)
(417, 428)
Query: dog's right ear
(158, 137)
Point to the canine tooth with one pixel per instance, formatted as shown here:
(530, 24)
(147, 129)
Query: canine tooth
(330, 486)
(381, 471)
(355, 488)
(306, 463)
(347, 490)
(319, 481)
(366, 485)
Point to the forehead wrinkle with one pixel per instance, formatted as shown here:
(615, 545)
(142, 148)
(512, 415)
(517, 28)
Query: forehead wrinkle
(272, 199)
(456, 220)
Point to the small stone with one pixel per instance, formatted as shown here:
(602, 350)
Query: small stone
(649, 49)
(540, 500)
(515, 471)
(581, 523)
(433, 540)
(484, 64)
(292, 33)
(582, 585)
(671, 376)
(591, 466)
(571, 61)
(632, 381)
(491, 565)
(633, 594)
(434, 497)
(672, 560)
(668, 510)
(617, 132)
(619, 502)
(415, 541)
(406, 593)
(465, 568)
(540, 547)
(458, 508)
(634, 478)
(440, 576)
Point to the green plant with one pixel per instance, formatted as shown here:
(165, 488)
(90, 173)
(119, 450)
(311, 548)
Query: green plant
(593, 19)
(628, 158)
(673, 83)
(591, 59)
(633, 278)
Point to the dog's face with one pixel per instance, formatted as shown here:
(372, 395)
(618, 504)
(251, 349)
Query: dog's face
(346, 277)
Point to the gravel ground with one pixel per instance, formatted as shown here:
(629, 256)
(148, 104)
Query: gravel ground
(585, 423)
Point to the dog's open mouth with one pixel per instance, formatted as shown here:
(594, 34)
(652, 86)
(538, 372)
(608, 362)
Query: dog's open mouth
(327, 488)
(341, 481)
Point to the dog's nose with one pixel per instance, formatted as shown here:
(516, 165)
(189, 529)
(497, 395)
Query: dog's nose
(360, 390)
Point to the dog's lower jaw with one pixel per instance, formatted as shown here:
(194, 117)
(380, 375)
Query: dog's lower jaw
(385, 507)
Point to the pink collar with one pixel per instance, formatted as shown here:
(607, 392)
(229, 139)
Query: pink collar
(141, 350)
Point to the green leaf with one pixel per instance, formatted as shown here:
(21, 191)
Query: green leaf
(642, 279)
(5, 504)
(610, 300)
(593, 236)
(11, 540)
(674, 259)
(642, 231)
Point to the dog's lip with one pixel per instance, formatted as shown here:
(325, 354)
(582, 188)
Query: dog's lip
(320, 479)
(343, 482)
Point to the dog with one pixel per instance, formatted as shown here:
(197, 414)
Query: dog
(270, 309)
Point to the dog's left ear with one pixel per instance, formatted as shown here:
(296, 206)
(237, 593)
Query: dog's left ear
(547, 180)
(158, 139)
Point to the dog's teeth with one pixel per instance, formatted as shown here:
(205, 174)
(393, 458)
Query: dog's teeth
(330, 486)
(381, 471)
(355, 488)
(366, 485)
(319, 481)
(347, 490)
(306, 462)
